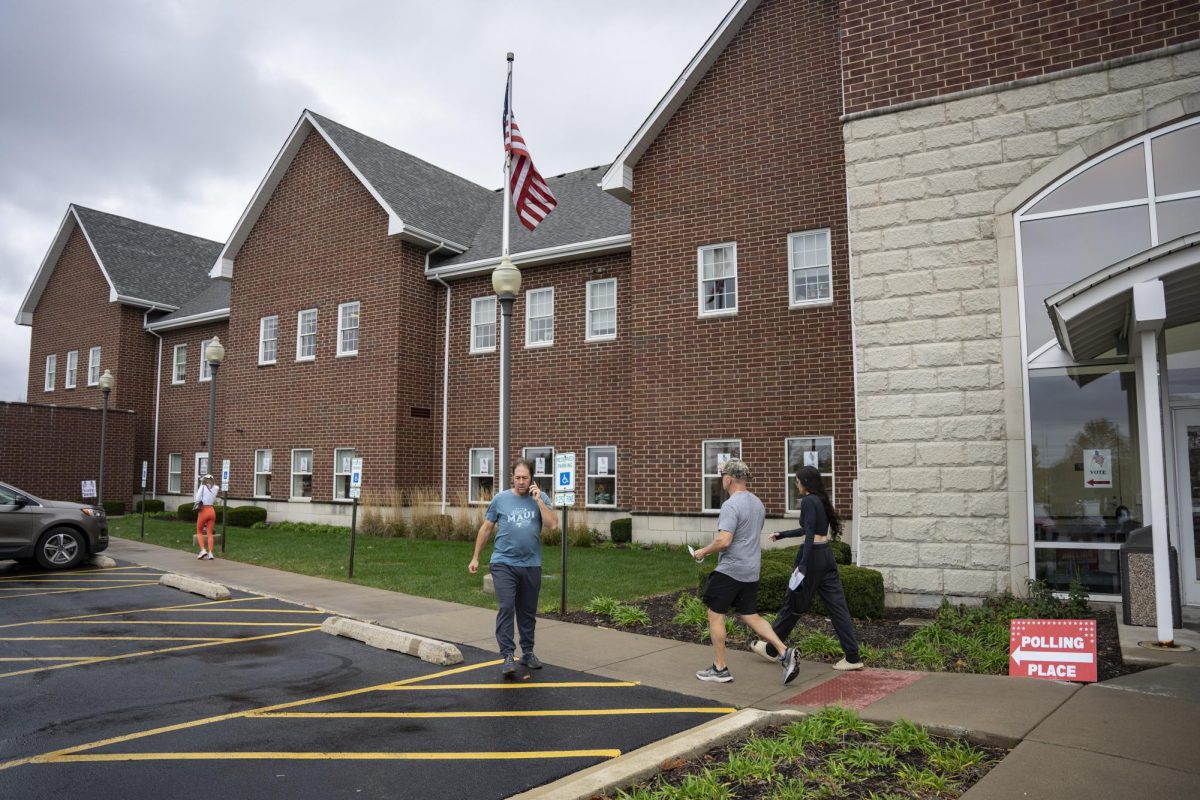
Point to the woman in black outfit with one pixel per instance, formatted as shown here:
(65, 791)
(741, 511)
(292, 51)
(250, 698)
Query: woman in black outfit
(815, 560)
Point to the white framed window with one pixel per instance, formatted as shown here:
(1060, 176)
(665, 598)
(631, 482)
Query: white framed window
(348, 329)
(205, 371)
(716, 266)
(94, 366)
(262, 473)
(268, 338)
(601, 477)
(716, 453)
(543, 467)
(306, 335)
(51, 368)
(72, 368)
(602, 310)
(812, 451)
(174, 473)
(200, 463)
(483, 475)
(483, 325)
(342, 458)
(302, 461)
(810, 260)
(539, 317)
(179, 364)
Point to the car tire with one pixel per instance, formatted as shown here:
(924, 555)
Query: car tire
(61, 548)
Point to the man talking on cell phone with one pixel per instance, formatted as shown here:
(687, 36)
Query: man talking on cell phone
(517, 515)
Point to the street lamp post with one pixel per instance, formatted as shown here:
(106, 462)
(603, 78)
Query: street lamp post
(214, 354)
(506, 282)
(106, 384)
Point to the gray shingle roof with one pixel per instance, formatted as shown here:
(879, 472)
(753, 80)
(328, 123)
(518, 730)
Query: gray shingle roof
(213, 297)
(422, 195)
(584, 213)
(147, 262)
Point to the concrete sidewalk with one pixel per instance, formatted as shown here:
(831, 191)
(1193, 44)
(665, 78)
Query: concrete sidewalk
(1136, 736)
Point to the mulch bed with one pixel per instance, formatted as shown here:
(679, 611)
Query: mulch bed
(880, 633)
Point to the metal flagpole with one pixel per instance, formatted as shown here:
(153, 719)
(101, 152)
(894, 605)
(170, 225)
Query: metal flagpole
(506, 299)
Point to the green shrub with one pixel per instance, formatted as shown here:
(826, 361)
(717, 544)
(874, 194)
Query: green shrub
(114, 508)
(863, 587)
(246, 516)
(841, 551)
(303, 527)
(621, 530)
(187, 512)
(152, 506)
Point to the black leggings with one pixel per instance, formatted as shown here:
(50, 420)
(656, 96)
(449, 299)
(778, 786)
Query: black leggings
(822, 577)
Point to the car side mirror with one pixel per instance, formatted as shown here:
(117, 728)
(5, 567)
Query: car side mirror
(20, 502)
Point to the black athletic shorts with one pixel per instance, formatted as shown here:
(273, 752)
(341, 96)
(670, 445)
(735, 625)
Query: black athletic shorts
(722, 592)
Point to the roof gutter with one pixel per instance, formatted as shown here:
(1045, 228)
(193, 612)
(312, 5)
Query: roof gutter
(549, 255)
(149, 305)
(191, 319)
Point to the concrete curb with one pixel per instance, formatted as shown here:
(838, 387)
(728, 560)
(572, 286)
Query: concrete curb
(213, 591)
(103, 561)
(426, 649)
(646, 762)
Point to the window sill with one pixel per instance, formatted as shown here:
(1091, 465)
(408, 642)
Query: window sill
(347, 355)
(716, 314)
(481, 352)
(612, 507)
(810, 304)
(343, 500)
(260, 497)
(178, 383)
(600, 339)
(309, 358)
(299, 500)
(538, 345)
(266, 363)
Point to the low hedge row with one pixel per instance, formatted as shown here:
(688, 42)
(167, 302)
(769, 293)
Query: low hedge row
(152, 506)
(114, 508)
(239, 516)
(863, 587)
(621, 530)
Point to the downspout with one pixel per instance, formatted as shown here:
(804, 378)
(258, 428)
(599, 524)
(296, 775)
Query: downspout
(445, 373)
(157, 392)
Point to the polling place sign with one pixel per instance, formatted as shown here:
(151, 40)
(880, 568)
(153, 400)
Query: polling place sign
(1058, 649)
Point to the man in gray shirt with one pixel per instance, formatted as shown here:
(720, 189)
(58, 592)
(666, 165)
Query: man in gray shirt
(734, 583)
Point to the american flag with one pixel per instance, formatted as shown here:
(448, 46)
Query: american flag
(532, 198)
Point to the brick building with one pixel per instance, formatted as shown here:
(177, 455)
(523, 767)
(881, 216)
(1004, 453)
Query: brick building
(890, 239)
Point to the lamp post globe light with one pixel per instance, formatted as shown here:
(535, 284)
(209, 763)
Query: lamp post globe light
(214, 354)
(106, 384)
(506, 282)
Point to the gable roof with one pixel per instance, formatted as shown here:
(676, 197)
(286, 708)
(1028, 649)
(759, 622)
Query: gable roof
(618, 180)
(425, 204)
(144, 265)
(585, 221)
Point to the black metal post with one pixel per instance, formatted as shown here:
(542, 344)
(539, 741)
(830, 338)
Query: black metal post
(563, 577)
(143, 533)
(103, 431)
(506, 307)
(353, 525)
(224, 518)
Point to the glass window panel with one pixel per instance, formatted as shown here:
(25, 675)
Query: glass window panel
(205, 370)
(1057, 252)
(1073, 414)
(483, 323)
(302, 473)
(716, 453)
(1183, 361)
(1193, 500)
(543, 467)
(268, 333)
(1122, 177)
(482, 475)
(1178, 217)
(816, 451)
(262, 473)
(1177, 161)
(601, 476)
(174, 472)
(1097, 570)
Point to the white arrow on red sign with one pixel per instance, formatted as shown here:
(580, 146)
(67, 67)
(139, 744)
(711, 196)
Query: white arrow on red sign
(1050, 655)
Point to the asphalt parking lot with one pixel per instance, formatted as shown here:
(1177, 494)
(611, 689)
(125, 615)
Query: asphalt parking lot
(114, 686)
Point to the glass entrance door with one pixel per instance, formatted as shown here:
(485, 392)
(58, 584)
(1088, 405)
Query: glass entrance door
(1187, 468)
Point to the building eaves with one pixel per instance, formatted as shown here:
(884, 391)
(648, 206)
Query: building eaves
(210, 305)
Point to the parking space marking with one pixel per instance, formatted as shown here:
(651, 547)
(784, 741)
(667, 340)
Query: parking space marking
(561, 684)
(126, 577)
(58, 755)
(558, 712)
(136, 611)
(118, 639)
(156, 652)
(328, 756)
(51, 658)
(69, 591)
(107, 570)
(218, 622)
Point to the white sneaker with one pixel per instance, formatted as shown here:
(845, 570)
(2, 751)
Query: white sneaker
(208, 556)
(846, 666)
(203, 553)
(760, 647)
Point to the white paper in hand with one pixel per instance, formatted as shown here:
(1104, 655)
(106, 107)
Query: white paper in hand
(692, 553)
(796, 579)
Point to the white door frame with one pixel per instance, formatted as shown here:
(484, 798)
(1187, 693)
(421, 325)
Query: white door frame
(1189, 581)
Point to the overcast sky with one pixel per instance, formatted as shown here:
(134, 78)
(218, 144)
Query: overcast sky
(171, 111)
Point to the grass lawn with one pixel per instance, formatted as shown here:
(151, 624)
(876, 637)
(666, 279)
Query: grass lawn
(434, 569)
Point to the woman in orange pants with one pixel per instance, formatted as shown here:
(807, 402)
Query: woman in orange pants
(206, 516)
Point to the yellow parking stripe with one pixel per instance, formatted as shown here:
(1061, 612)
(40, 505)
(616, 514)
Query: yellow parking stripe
(253, 610)
(58, 754)
(109, 570)
(71, 584)
(317, 756)
(567, 684)
(564, 712)
(154, 652)
(68, 591)
(51, 658)
(221, 623)
(118, 639)
(57, 577)
(185, 606)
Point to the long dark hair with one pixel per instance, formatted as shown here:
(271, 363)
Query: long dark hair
(811, 480)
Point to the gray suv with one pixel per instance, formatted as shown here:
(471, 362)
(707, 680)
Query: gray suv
(55, 534)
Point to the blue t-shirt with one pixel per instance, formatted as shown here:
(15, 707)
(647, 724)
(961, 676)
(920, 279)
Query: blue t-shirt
(518, 523)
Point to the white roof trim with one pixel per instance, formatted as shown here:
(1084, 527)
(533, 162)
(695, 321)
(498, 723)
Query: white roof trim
(223, 268)
(191, 319)
(148, 304)
(42, 277)
(618, 180)
(529, 258)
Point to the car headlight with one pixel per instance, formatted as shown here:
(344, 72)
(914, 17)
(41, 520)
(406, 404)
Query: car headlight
(89, 511)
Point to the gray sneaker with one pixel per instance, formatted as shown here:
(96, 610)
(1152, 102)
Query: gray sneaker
(509, 670)
(714, 675)
(791, 665)
(531, 661)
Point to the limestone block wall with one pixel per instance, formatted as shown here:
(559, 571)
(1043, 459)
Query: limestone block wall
(940, 370)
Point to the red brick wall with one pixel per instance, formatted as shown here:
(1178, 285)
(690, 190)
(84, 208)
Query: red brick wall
(750, 158)
(900, 50)
(50, 450)
(322, 240)
(183, 408)
(569, 396)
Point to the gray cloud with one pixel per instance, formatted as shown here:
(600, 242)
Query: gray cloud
(171, 112)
